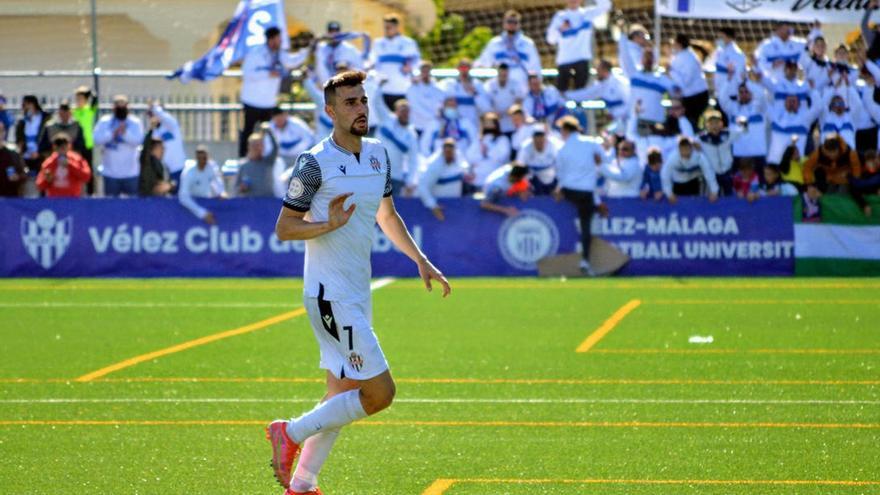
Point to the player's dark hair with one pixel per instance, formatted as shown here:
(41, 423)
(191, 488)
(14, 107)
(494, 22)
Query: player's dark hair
(348, 78)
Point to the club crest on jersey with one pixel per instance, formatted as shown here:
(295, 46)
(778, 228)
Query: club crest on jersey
(374, 163)
(356, 361)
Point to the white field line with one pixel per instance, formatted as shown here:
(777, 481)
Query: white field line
(210, 400)
(376, 284)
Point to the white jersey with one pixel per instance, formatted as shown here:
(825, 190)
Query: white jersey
(470, 105)
(199, 183)
(623, 177)
(394, 58)
(613, 91)
(501, 98)
(259, 83)
(518, 51)
(294, 138)
(542, 164)
(169, 132)
(424, 100)
(646, 89)
(337, 264)
(441, 179)
(575, 42)
(725, 57)
(686, 71)
(402, 145)
(544, 106)
(327, 56)
(773, 50)
(487, 154)
(751, 140)
(120, 154)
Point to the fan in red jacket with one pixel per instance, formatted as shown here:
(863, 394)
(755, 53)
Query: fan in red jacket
(64, 173)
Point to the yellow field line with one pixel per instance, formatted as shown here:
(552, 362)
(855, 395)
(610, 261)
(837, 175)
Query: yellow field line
(491, 424)
(456, 381)
(191, 343)
(736, 351)
(608, 326)
(439, 486)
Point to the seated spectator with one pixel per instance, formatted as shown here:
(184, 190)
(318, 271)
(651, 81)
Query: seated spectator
(538, 154)
(119, 134)
(491, 151)
(14, 173)
(202, 180)
(652, 185)
(153, 180)
(506, 181)
(65, 172)
(63, 122)
(255, 174)
(773, 184)
(445, 177)
(792, 167)
(745, 181)
(868, 183)
(831, 167)
(684, 172)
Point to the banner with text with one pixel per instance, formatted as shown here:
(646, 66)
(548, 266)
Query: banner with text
(827, 11)
(158, 238)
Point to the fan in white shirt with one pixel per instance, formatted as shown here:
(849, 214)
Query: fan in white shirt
(425, 98)
(393, 57)
(292, 135)
(513, 47)
(333, 51)
(730, 62)
(491, 151)
(571, 30)
(623, 174)
(686, 71)
(444, 177)
(538, 154)
(201, 180)
(469, 94)
(448, 124)
(611, 89)
(502, 94)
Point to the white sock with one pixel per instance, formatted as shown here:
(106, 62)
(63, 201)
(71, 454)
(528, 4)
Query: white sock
(314, 453)
(339, 411)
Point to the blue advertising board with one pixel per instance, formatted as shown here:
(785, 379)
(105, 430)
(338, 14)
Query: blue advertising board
(159, 238)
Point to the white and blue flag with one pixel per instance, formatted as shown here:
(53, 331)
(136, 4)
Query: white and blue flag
(246, 30)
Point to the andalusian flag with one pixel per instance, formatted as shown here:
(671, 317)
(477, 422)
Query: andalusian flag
(845, 242)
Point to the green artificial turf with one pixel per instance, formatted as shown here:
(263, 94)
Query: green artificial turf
(490, 389)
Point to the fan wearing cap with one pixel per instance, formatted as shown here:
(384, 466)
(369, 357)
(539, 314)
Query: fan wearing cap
(65, 172)
(63, 121)
(717, 144)
(394, 56)
(120, 134)
(685, 171)
(445, 177)
(538, 154)
(261, 74)
(577, 166)
(333, 50)
(501, 94)
(773, 53)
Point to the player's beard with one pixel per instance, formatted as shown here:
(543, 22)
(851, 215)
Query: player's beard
(355, 131)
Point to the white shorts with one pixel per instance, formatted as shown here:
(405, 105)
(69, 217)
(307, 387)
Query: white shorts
(349, 348)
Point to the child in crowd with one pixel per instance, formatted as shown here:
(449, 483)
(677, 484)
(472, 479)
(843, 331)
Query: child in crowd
(652, 186)
(745, 182)
(868, 183)
(773, 184)
(792, 167)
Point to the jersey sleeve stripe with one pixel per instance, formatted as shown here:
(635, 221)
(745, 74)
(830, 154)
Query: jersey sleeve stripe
(304, 183)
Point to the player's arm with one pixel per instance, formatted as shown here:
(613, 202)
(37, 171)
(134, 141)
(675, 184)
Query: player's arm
(304, 183)
(292, 225)
(393, 227)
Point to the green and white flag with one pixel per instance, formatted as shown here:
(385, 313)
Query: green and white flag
(844, 243)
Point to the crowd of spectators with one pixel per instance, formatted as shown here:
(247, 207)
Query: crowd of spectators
(786, 120)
